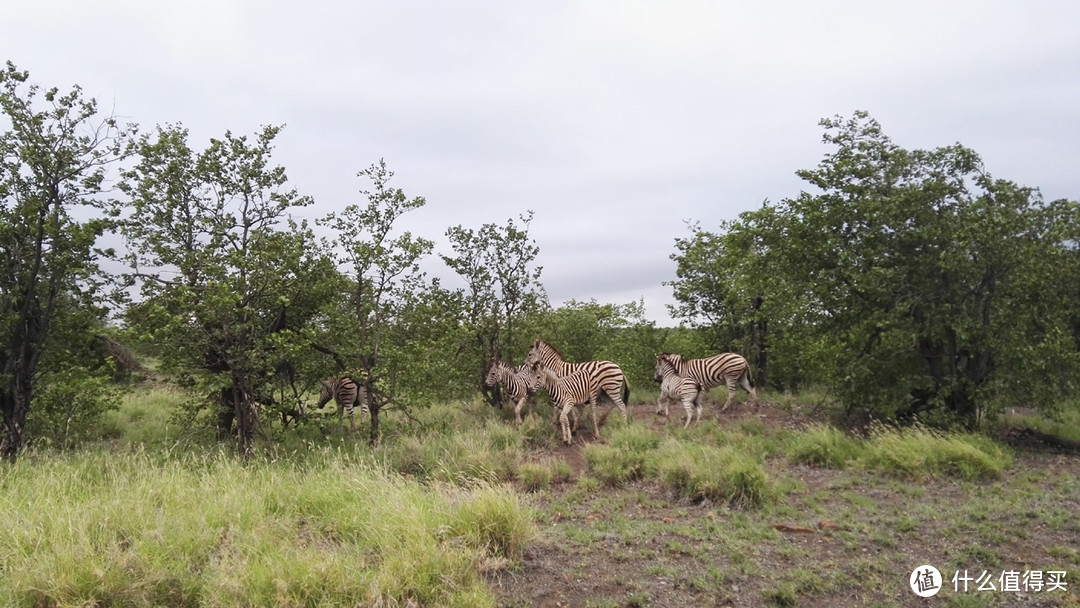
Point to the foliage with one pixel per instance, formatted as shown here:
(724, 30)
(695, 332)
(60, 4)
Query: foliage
(229, 282)
(55, 153)
(913, 281)
(502, 290)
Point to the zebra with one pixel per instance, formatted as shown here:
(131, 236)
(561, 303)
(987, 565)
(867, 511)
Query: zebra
(673, 386)
(567, 392)
(726, 368)
(516, 380)
(348, 394)
(607, 376)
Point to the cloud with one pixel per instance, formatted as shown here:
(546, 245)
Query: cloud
(613, 121)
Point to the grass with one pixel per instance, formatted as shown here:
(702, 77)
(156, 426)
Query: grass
(131, 529)
(457, 492)
(909, 453)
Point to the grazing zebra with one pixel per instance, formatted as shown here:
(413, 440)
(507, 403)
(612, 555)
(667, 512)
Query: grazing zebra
(606, 376)
(516, 380)
(673, 386)
(726, 368)
(348, 394)
(576, 388)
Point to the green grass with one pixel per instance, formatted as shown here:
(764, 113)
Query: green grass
(131, 529)
(824, 446)
(145, 416)
(920, 453)
(721, 475)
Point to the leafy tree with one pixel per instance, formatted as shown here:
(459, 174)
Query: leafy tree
(55, 152)
(386, 288)
(913, 279)
(502, 289)
(229, 282)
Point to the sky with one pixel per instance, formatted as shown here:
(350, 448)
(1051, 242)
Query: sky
(615, 122)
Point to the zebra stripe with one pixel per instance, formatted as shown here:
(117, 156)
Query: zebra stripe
(347, 394)
(673, 386)
(606, 376)
(567, 392)
(726, 368)
(515, 380)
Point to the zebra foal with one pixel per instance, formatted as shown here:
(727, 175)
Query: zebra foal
(515, 380)
(726, 368)
(675, 387)
(567, 392)
(347, 394)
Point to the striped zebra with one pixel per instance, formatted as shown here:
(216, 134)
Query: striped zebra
(567, 392)
(607, 376)
(348, 395)
(515, 380)
(675, 387)
(726, 368)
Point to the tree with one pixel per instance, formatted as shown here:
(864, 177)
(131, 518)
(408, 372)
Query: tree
(502, 288)
(913, 279)
(54, 157)
(385, 276)
(229, 282)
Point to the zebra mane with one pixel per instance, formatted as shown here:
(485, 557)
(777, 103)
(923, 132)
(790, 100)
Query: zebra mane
(538, 342)
(674, 359)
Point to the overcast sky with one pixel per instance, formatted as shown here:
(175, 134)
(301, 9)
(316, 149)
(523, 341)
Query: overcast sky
(614, 121)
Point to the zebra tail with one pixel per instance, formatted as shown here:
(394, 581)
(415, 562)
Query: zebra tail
(626, 391)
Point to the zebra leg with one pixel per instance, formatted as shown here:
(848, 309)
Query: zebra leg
(731, 388)
(660, 403)
(697, 402)
(617, 398)
(564, 420)
(517, 409)
(594, 402)
(745, 381)
(688, 406)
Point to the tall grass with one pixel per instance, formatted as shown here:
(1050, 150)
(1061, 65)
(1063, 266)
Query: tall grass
(919, 452)
(722, 475)
(132, 529)
(914, 452)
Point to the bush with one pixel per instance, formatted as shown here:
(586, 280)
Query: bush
(69, 408)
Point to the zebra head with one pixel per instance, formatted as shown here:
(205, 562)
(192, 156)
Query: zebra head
(327, 391)
(492, 378)
(676, 362)
(534, 352)
(541, 376)
(665, 366)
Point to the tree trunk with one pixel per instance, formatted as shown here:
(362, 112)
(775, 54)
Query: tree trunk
(14, 407)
